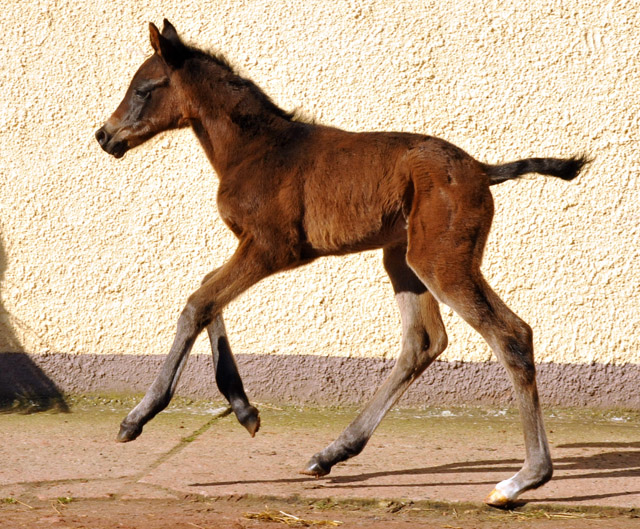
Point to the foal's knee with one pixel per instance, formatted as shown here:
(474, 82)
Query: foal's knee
(195, 317)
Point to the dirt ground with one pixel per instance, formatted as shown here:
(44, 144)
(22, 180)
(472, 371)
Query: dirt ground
(195, 467)
(261, 513)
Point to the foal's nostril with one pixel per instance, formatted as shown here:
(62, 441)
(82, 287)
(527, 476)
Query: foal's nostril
(102, 137)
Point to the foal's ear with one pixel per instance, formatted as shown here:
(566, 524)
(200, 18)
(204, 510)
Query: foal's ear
(169, 48)
(169, 32)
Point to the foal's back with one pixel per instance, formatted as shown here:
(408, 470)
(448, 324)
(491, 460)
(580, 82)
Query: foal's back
(358, 188)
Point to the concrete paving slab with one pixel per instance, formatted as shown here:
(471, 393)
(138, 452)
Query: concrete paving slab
(80, 444)
(433, 455)
(75, 454)
(453, 455)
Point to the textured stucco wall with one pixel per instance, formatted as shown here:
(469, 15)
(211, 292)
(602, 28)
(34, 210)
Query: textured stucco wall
(97, 256)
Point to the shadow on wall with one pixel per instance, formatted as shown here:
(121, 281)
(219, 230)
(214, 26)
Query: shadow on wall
(24, 387)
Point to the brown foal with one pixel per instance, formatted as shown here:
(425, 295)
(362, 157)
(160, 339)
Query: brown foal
(293, 191)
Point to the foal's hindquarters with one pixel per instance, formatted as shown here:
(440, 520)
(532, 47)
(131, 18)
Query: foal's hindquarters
(447, 229)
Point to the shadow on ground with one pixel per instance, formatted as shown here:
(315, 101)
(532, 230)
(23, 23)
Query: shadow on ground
(24, 387)
(622, 464)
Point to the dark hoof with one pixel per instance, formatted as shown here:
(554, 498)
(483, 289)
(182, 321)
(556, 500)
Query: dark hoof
(249, 418)
(128, 432)
(315, 469)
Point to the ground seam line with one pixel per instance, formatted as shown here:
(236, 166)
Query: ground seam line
(182, 444)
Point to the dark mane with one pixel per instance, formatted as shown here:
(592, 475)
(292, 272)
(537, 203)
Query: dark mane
(213, 56)
(242, 82)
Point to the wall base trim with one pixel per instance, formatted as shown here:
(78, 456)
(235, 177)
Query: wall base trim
(318, 380)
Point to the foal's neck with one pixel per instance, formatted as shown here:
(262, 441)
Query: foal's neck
(229, 114)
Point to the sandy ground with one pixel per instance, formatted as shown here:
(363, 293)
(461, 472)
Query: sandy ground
(194, 466)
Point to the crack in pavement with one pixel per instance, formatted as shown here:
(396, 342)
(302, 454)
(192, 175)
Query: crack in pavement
(134, 479)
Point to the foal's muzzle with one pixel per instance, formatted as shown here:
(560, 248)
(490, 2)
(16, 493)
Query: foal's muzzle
(106, 141)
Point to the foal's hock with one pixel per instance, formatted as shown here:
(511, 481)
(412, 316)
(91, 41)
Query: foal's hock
(292, 192)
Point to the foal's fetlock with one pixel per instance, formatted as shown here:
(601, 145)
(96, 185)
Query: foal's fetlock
(128, 432)
(249, 417)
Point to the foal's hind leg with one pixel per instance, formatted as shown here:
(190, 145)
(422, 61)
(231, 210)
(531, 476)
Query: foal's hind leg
(446, 256)
(423, 339)
(511, 340)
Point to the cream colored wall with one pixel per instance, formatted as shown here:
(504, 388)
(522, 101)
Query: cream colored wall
(99, 255)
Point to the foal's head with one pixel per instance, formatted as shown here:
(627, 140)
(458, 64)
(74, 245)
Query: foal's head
(151, 104)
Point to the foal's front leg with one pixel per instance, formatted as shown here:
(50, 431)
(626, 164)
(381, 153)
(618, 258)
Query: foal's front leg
(228, 377)
(247, 266)
(161, 391)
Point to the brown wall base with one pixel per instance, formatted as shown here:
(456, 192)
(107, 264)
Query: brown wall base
(317, 380)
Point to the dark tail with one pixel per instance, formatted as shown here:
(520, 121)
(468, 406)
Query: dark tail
(567, 169)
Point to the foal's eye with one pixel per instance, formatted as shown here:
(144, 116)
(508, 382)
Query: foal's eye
(142, 94)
